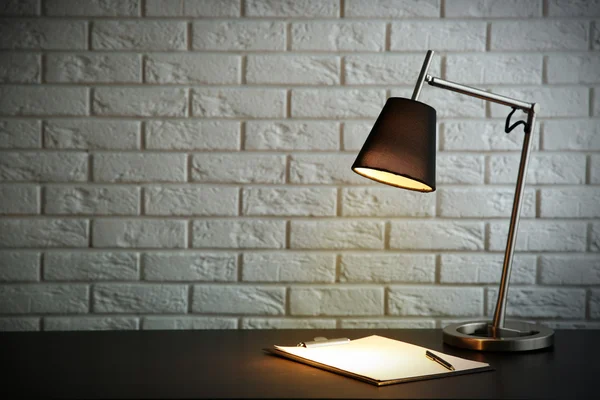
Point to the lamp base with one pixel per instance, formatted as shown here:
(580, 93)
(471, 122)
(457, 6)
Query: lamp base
(514, 336)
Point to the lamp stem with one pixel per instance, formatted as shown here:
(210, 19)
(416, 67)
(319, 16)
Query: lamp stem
(500, 311)
(422, 75)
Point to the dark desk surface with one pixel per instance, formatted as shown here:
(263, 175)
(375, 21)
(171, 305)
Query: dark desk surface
(230, 364)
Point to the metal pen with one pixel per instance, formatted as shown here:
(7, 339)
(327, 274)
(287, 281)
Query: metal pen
(439, 360)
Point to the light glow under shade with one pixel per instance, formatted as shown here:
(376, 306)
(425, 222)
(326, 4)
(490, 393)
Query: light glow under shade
(393, 179)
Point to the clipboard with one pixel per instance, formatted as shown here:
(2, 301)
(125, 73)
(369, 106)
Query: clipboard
(377, 360)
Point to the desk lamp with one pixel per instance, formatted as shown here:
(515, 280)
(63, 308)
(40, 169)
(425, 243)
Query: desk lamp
(400, 151)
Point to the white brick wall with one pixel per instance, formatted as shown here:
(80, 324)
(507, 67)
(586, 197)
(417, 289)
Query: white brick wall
(186, 164)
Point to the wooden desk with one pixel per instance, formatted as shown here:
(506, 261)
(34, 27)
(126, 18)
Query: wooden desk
(230, 364)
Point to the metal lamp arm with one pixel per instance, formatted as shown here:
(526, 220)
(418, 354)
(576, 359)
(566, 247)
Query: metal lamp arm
(531, 109)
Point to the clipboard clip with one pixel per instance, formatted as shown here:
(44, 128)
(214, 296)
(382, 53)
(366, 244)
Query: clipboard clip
(321, 341)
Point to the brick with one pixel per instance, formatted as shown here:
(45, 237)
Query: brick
(595, 168)
(210, 267)
(212, 201)
(237, 299)
(238, 35)
(22, 233)
(292, 135)
(193, 8)
(446, 103)
(595, 237)
(594, 304)
(355, 134)
(20, 68)
(539, 235)
(19, 324)
(19, 199)
(169, 323)
(583, 135)
(292, 8)
(91, 200)
(90, 266)
(440, 35)
(580, 269)
(282, 323)
(386, 324)
(42, 34)
(141, 167)
(43, 299)
(337, 234)
(139, 35)
(324, 169)
(17, 266)
(238, 168)
(539, 35)
(288, 267)
(554, 101)
(337, 103)
(235, 234)
(91, 68)
(20, 7)
(573, 68)
(480, 136)
(43, 100)
(384, 69)
(386, 202)
(289, 201)
(392, 8)
(467, 169)
(573, 8)
(193, 135)
(140, 298)
(340, 36)
(140, 102)
(543, 168)
(238, 103)
(386, 268)
(293, 69)
(91, 134)
(130, 233)
(437, 235)
(20, 134)
(570, 324)
(493, 8)
(541, 302)
(495, 69)
(341, 301)
(192, 68)
(94, 8)
(488, 202)
(44, 167)
(485, 268)
(578, 202)
(430, 301)
(90, 323)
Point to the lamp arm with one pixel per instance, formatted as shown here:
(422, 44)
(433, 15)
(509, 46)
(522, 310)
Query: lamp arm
(531, 109)
(481, 94)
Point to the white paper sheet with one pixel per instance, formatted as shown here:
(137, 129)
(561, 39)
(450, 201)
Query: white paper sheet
(381, 358)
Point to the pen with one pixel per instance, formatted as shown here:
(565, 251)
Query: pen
(439, 360)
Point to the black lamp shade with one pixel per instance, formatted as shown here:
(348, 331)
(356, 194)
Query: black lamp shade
(400, 150)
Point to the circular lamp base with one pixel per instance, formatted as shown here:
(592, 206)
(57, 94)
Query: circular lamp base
(515, 336)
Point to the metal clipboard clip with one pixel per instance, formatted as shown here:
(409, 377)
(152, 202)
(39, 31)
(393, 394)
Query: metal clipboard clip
(323, 341)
